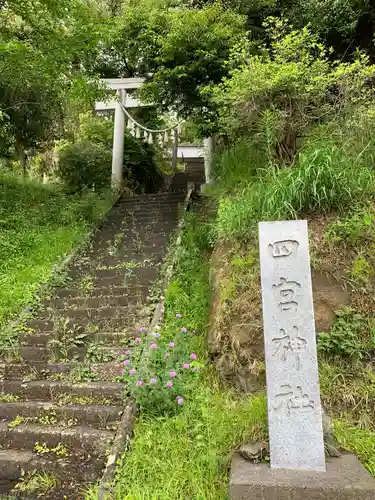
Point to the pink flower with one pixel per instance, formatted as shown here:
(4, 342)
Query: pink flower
(157, 335)
(178, 316)
(172, 374)
(132, 371)
(153, 380)
(127, 362)
(138, 340)
(183, 330)
(139, 383)
(154, 346)
(186, 366)
(169, 384)
(193, 356)
(180, 400)
(142, 329)
(171, 345)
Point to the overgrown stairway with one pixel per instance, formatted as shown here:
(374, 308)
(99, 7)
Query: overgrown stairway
(60, 401)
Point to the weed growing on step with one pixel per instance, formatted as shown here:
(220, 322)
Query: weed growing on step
(66, 337)
(96, 353)
(18, 420)
(60, 450)
(36, 482)
(10, 398)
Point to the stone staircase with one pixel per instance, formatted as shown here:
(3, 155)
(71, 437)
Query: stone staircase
(60, 401)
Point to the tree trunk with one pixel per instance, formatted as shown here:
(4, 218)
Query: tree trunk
(20, 149)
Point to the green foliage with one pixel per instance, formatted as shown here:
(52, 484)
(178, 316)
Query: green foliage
(160, 382)
(60, 450)
(359, 441)
(355, 229)
(237, 165)
(38, 226)
(85, 165)
(361, 271)
(191, 52)
(344, 340)
(323, 179)
(276, 97)
(43, 51)
(35, 482)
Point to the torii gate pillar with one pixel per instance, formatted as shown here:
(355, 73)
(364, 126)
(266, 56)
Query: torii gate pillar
(118, 144)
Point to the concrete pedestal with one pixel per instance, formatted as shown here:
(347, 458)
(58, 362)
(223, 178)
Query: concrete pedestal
(345, 479)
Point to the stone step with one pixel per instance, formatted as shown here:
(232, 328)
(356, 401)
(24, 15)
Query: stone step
(96, 302)
(150, 197)
(56, 391)
(99, 416)
(32, 354)
(110, 319)
(150, 252)
(24, 436)
(109, 339)
(14, 463)
(51, 371)
(128, 291)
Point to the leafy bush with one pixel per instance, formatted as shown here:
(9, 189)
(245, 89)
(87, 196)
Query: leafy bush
(323, 179)
(276, 97)
(343, 341)
(160, 383)
(85, 165)
(357, 227)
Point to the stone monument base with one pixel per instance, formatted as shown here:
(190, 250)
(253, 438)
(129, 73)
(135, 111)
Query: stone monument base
(345, 479)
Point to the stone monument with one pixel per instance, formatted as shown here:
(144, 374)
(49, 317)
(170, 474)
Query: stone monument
(298, 469)
(294, 411)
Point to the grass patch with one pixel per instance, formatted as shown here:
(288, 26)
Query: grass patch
(323, 179)
(359, 441)
(38, 225)
(188, 454)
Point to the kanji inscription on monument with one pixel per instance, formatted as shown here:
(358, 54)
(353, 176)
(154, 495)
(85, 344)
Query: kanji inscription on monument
(294, 409)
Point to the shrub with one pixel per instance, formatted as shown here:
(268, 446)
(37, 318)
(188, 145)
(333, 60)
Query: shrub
(343, 341)
(277, 96)
(85, 165)
(357, 228)
(160, 380)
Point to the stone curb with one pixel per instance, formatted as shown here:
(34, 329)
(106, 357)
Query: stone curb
(120, 445)
(121, 442)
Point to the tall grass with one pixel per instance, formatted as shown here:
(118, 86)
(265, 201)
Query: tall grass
(325, 178)
(233, 167)
(38, 225)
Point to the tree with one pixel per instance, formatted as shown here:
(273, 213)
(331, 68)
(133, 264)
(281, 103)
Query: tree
(44, 47)
(192, 53)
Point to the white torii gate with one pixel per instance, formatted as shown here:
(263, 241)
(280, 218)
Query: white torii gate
(125, 101)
